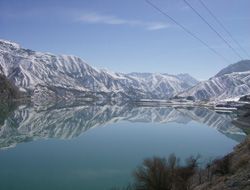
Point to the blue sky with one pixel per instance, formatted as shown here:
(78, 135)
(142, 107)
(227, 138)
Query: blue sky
(126, 36)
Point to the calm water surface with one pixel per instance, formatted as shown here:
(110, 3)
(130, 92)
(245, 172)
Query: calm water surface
(98, 147)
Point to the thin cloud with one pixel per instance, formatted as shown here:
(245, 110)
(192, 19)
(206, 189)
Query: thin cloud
(184, 8)
(95, 18)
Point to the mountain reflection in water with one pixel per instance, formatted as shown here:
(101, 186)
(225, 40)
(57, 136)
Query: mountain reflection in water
(28, 123)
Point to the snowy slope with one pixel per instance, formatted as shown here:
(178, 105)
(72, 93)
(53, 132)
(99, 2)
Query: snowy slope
(69, 76)
(240, 66)
(161, 85)
(223, 86)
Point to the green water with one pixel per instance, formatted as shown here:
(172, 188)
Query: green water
(98, 147)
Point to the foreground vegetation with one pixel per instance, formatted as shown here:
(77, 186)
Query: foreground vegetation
(232, 172)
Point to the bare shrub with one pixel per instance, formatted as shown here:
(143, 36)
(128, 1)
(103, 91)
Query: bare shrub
(221, 166)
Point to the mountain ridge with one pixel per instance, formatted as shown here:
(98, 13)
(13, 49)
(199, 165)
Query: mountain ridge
(232, 81)
(30, 70)
(46, 76)
(241, 66)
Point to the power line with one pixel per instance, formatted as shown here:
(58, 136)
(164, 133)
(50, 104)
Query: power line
(225, 29)
(213, 29)
(187, 30)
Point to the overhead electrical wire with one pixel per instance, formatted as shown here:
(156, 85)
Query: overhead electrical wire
(213, 29)
(186, 30)
(224, 28)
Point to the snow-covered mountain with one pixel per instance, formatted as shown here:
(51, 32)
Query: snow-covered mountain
(31, 123)
(240, 66)
(233, 81)
(164, 85)
(47, 76)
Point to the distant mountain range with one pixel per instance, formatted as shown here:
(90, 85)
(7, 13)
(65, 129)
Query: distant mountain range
(48, 77)
(232, 81)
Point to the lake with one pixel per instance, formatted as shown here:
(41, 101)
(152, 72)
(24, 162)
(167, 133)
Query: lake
(99, 146)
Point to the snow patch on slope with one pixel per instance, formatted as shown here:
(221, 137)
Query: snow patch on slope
(28, 69)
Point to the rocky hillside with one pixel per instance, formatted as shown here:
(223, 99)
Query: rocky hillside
(231, 172)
